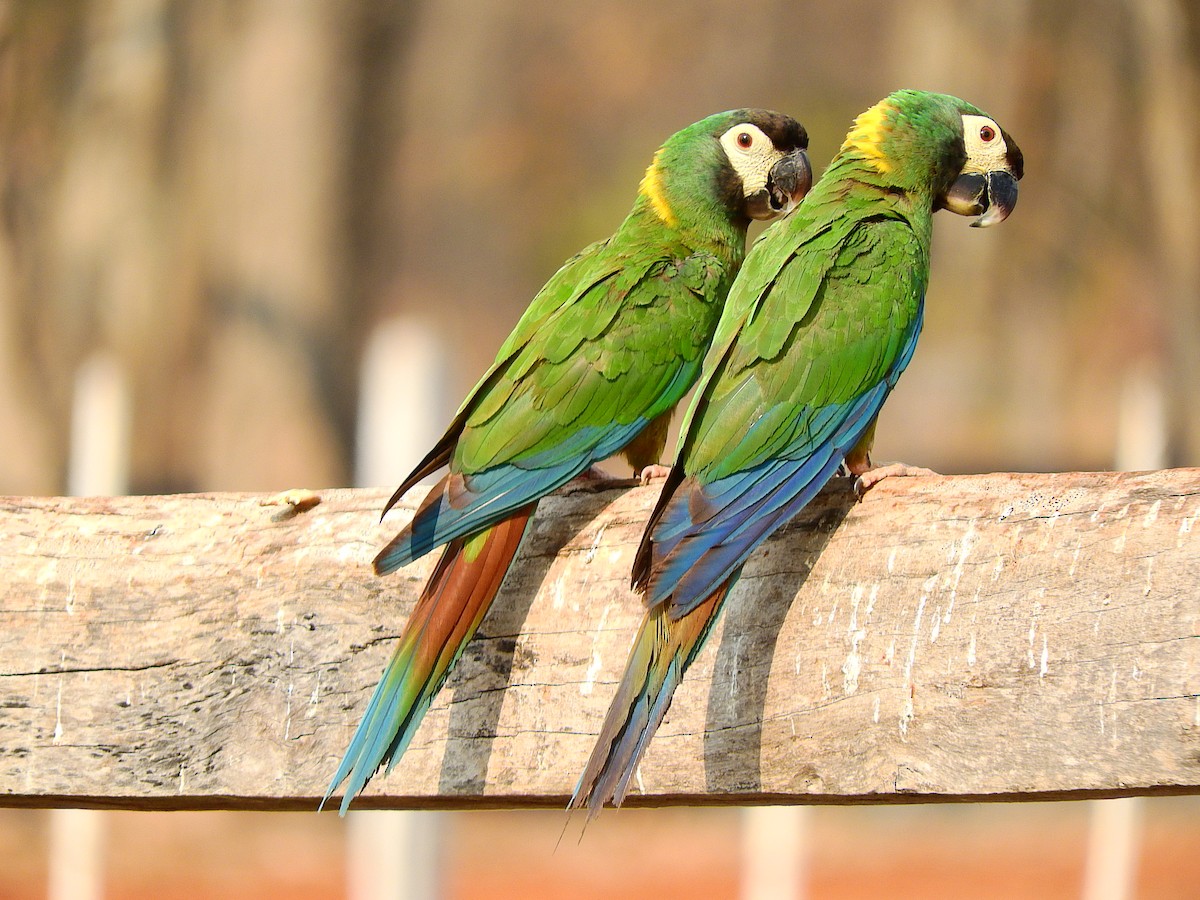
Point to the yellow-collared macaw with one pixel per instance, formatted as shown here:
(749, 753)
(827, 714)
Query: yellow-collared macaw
(819, 325)
(594, 367)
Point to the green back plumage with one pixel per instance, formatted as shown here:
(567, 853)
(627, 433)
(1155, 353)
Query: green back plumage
(601, 316)
(650, 296)
(837, 285)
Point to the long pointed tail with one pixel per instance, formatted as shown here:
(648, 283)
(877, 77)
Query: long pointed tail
(459, 592)
(662, 651)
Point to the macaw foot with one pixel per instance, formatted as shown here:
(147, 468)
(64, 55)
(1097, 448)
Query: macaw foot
(867, 478)
(653, 473)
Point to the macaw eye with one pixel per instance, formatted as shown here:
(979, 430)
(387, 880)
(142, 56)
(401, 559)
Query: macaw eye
(745, 140)
(987, 134)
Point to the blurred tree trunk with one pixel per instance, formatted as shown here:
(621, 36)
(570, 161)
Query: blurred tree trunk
(229, 194)
(34, 389)
(1169, 96)
(196, 187)
(261, 174)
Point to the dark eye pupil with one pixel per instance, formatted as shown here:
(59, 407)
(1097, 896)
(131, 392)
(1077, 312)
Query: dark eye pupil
(986, 133)
(744, 140)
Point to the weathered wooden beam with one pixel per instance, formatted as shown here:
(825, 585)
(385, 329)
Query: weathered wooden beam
(987, 637)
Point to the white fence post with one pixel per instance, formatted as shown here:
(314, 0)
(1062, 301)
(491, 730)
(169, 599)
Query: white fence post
(394, 855)
(98, 465)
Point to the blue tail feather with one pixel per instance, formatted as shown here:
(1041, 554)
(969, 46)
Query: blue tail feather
(663, 650)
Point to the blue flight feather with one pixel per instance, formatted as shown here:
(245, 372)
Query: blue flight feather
(694, 555)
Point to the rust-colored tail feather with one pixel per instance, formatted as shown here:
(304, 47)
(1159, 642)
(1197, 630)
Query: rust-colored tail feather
(449, 610)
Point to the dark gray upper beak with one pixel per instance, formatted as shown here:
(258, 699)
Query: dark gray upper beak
(989, 195)
(789, 180)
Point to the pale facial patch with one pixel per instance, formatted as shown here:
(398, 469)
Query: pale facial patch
(984, 141)
(751, 154)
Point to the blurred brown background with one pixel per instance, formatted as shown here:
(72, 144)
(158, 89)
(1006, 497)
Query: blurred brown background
(228, 199)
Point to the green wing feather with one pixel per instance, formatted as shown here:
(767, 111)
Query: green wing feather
(567, 365)
(847, 329)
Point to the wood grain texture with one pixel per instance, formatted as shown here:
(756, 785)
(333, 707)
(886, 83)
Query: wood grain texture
(984, 637)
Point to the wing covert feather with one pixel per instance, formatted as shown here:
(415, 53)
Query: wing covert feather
(789, 395)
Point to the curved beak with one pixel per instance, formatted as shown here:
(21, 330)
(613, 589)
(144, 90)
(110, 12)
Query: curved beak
(787, 183)
(989, 195)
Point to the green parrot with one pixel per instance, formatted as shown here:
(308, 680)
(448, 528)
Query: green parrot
(816, 330)
(594, 367)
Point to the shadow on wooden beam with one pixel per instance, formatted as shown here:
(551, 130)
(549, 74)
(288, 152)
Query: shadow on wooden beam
(997, 637)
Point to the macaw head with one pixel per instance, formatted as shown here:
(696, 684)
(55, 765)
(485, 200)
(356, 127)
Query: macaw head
(946, 148)
(765, 171)
(750, 162)
(986, 185)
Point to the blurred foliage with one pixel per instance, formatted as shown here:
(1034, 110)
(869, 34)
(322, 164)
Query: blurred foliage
(229, 195)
